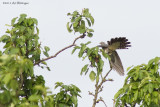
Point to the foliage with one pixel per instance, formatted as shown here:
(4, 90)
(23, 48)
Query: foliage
(78, 22)
(141, 87)
(93, 54)
(67, 97)
(19, 86)
(95, 59)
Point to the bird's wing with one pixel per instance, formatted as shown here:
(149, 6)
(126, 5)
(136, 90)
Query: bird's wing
(116, 63)
(118, 43)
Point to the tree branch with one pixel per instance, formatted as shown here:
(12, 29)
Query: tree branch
(101, 99)
(98, 89)
(73, 44)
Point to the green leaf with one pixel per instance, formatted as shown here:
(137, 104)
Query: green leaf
(8, 25)
(157, 60)
(90, 35)
(150, 62)
(129, 68)
(92, 76)
(73, 19)
(96, 51)
(75, 13)
(92, 19)
(7, 78)
(48, 68)
(97, 78)
(155, 94)
(118, 93)
(76, 47)
(37, 30)
(84, 69)
(8, 31)
(22, 17)
(89, 23)
(68, 28)
(4, 38)
(136, 95)
(68, 14)
(83, 48)
(143, 82)
(58, 84)
(89, 51)
(78, 19)
(39, 87)
(67, 98)
(13, 21)
(101, 63)
(86, 12)
(8, 45)
(90, 30)
(74, 100)
(46, 54)
(105, 55)
(30, 21)
(150, 86)
(75, 24)
(82, 28)
(88, 43)
(34, 98)
(23, 50)
(46, 48)
(14, 51)
(35, 21)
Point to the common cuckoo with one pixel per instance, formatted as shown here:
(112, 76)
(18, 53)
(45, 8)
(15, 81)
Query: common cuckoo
(110, 49)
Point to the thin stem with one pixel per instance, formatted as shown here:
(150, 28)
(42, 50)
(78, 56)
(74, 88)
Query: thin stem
(99, 87)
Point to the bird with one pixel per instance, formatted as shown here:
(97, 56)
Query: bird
(111, 47)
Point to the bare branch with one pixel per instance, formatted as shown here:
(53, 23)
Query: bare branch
(101, 99)
(99, 88)
(73, 44)
(104, 78)
(90, 93)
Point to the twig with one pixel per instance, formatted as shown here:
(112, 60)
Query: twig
(90, 93)
(99, 87)
(104, 78)
(73, 44)
(101, 99)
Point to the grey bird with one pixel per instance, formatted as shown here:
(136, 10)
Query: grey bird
(110, 49)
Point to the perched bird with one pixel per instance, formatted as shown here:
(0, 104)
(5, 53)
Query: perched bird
(110, 49)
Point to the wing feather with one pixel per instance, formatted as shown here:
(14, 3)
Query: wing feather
(116, 63)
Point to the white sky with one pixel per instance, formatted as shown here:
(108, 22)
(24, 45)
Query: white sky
(138, 20)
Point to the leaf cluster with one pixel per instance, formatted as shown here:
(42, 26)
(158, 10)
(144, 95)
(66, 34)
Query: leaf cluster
(141, 87)
(67, 97)
(94, 56)
(78, 22)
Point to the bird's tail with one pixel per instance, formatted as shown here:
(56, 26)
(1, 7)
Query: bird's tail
(122, 43)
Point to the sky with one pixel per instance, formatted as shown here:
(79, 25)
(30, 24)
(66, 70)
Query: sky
(137, 20)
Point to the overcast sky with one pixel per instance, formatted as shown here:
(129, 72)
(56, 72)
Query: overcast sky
(137, 20)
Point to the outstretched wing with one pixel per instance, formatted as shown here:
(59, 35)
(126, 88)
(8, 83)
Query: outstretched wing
(118, 43)
(116, 63)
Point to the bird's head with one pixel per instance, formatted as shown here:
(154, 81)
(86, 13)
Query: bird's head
(103, 45)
